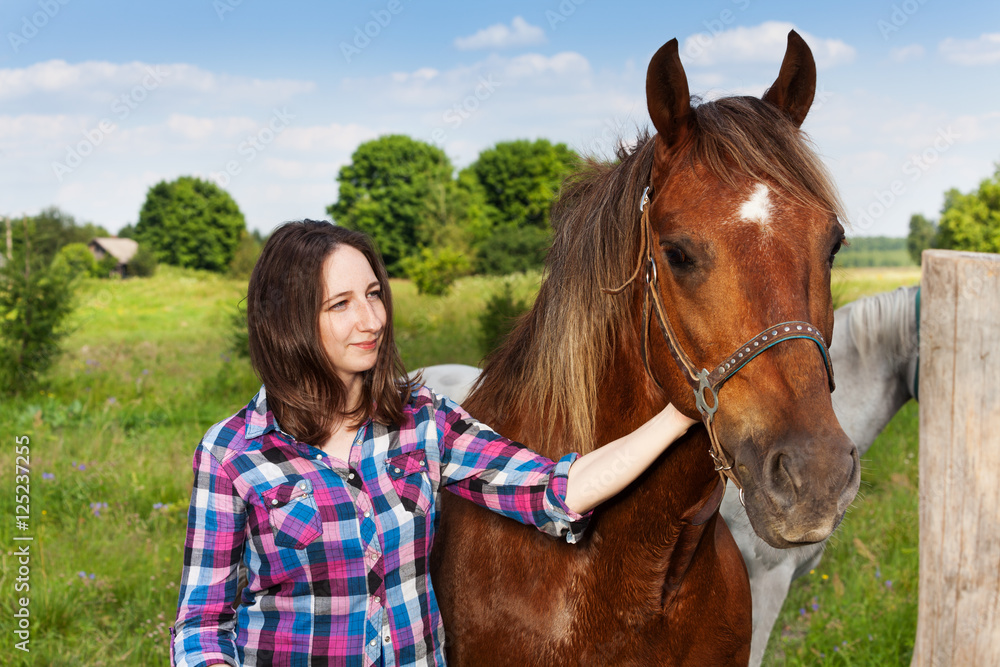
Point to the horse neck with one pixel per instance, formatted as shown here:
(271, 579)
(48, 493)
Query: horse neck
(645, 518)
(873, 350)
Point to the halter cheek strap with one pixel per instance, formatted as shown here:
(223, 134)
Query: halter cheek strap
(706, 384)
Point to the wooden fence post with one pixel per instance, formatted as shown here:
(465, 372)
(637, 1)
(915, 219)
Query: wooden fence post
(959, 599)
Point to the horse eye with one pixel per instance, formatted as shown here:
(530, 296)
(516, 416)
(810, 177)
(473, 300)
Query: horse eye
(675, 256)
(836, 248)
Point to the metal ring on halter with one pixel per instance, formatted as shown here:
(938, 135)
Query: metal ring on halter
(644, 200)
(699, 396)
(742, 501)
(718, 462)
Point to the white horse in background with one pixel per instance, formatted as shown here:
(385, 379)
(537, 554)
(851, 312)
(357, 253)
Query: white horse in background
(874, 354)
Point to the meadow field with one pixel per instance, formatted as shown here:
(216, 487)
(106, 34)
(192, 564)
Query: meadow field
(149, 367)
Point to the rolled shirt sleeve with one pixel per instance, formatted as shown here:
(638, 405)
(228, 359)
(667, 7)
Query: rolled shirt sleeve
(499, 474)
(205, 629)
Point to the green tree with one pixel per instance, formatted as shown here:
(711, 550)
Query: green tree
(921, 236)
(49, 231)
(190, 222)
(246, 256)
(518, 182)
(34, 303)
(400, 191)
(972, 221)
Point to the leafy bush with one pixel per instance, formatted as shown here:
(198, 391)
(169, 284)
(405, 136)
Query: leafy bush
(245, 257)
(34, 303)
(106, 266)
(513, 250)
(75, 259)
(239, 336)
(499, 316)
(434, 271)
(143, 263)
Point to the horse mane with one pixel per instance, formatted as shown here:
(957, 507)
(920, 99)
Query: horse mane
(551, 365)
(885, 324)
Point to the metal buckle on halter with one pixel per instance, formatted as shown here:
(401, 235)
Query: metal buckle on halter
(645, 199)
(699, 397)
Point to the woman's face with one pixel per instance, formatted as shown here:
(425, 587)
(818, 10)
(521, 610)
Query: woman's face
(352, 316)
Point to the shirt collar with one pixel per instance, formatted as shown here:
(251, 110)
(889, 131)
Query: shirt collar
(260, 420)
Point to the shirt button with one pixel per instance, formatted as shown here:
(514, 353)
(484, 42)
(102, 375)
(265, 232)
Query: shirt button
(350, 476)
(387, 639)
(274, 502)
(302, 486)
(398, 470)
(367, 514)
(378, 599)
(423, 463)
(372, 642)
(319, 456)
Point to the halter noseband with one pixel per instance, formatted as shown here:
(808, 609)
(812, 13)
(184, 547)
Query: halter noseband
(705, 383)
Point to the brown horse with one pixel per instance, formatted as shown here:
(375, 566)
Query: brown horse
(738, 234)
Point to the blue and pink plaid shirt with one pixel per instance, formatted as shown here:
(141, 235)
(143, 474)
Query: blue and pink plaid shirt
(336, 553)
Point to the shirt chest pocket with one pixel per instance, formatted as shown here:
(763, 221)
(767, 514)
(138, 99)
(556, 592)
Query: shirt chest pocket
(410, 479)
(293, 514)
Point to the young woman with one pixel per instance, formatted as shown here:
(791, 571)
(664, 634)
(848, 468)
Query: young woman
(324, 488)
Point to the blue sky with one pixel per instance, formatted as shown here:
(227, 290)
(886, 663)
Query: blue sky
(100, 100)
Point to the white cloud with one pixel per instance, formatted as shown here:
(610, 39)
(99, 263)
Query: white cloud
(906, 53)
(499, 36)
(105, 81)
(982, 51)
(765, 43)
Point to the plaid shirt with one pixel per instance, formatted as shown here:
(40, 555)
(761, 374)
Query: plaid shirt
(336, 554)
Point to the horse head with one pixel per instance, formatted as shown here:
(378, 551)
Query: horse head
(742, 229)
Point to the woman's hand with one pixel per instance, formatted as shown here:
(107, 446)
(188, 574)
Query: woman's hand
(604, 472)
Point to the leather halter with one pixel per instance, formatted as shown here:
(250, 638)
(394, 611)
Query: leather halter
(705, 383)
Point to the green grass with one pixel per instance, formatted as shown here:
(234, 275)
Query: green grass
(147, 370)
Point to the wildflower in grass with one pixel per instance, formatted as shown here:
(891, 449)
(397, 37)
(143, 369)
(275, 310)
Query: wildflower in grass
(878, 573)
(97, 507)
(158, 506)
(48, 475)
(836, 649)
(802, 611)
(815, 605)
(145, 371)
(888, 584)
(112, 400)
(81, 574)
(870, 638)
(825, 577)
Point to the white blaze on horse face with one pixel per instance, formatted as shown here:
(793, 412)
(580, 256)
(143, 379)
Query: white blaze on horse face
(758, 207)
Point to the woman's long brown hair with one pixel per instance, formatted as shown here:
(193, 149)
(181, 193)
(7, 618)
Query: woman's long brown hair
(284, 299)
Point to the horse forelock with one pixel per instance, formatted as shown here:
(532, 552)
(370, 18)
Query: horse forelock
(885, 324)
(742, 140)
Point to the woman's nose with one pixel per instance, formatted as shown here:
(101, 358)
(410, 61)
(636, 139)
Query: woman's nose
(369, 319)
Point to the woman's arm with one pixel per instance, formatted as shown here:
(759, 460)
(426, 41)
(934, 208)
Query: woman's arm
(204, 632)
(604, 472)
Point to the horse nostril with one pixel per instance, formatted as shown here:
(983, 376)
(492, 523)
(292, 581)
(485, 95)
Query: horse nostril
(782, 479)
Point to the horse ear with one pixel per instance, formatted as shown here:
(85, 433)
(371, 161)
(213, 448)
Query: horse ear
(667, 96)
(793, 90)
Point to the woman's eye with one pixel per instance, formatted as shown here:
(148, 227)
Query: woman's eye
(375, 294)
(340, 305)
